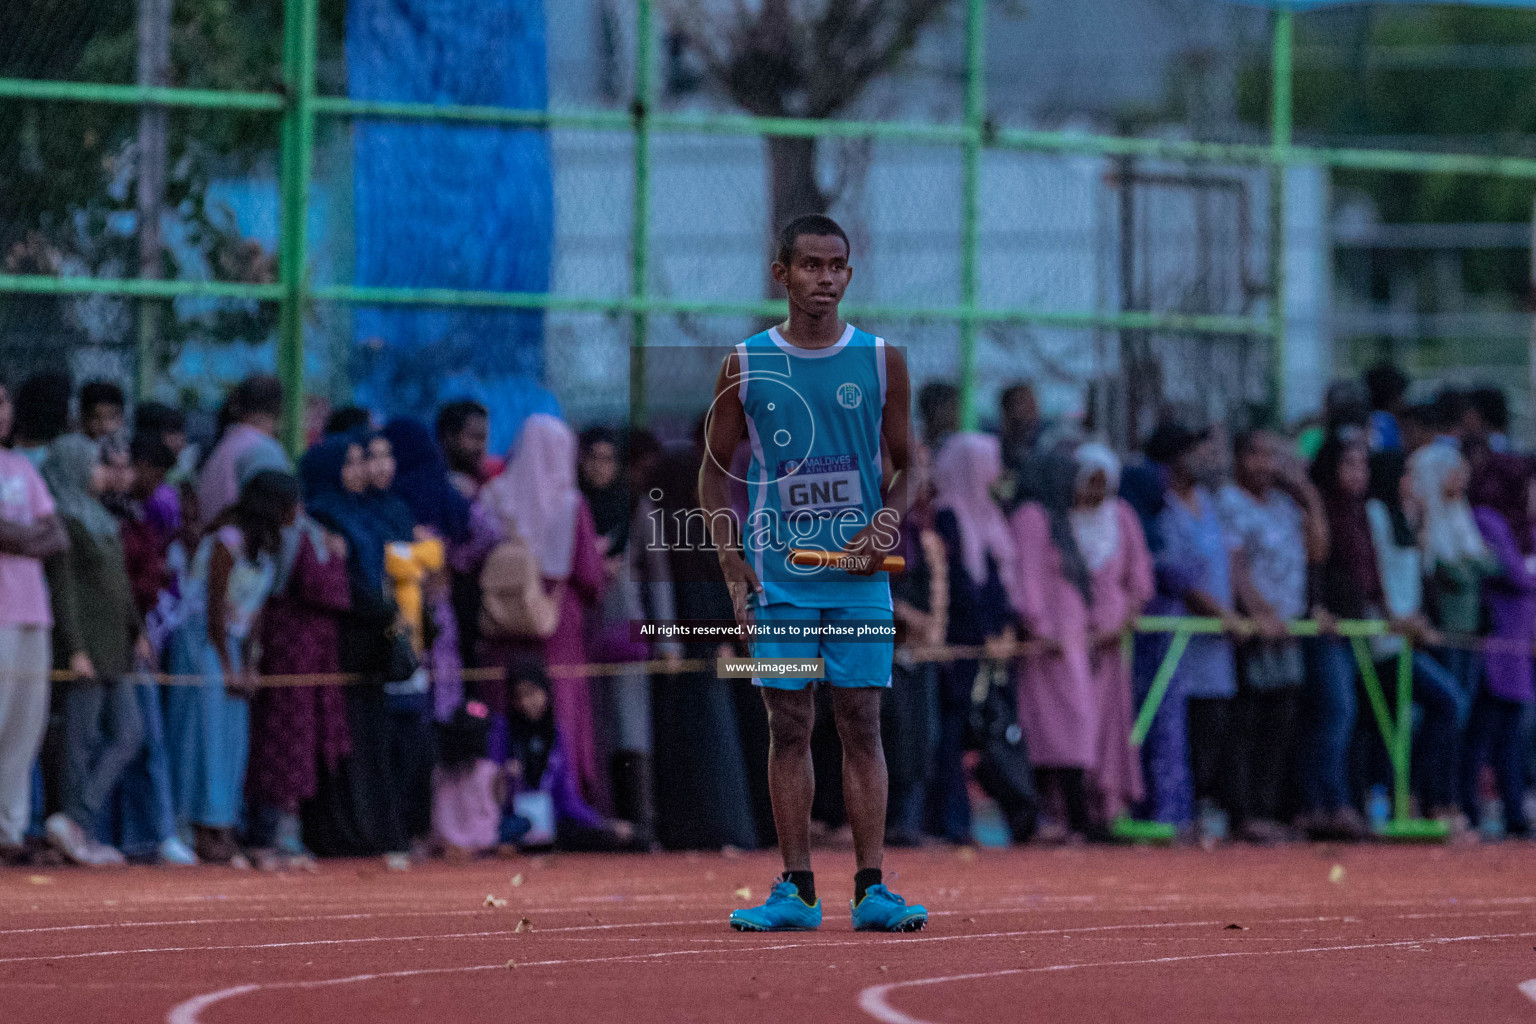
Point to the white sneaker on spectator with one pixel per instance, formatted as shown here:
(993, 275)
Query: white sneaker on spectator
(104, 856)
(174, 851)
(66, 836)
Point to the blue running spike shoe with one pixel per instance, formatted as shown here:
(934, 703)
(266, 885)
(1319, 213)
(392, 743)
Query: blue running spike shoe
(785, 911)
(883, 911)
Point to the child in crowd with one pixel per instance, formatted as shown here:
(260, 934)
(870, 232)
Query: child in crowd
(468, 788)
(150, 524)
(545, 790)
(208, 725)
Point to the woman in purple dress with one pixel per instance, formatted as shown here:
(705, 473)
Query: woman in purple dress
(295, 730)
(1499, 731)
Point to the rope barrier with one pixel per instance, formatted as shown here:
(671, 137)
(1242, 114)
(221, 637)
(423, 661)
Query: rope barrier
(1395, 734)
(1346, 629)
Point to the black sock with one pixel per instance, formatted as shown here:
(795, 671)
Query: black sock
(862, 880)
(805, 881)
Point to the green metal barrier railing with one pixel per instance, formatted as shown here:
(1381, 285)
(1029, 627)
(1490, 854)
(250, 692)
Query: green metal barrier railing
(1396, 733)
(299, 108)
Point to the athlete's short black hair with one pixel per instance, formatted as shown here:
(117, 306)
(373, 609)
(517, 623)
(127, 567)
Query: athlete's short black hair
(1450, 406)
(465, 738)
(810, 224)
(148, 448)
(258, 395)
(1387, 385)
(1492, 405)
(159, 418)
(101, 392)
(41, 406)
(452, 417)
(349, 419)
(933, 396)
(1419, 414)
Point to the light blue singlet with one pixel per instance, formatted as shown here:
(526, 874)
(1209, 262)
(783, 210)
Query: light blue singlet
(813, 420)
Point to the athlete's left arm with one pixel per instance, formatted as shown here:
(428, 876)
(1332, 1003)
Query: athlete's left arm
(883, 534)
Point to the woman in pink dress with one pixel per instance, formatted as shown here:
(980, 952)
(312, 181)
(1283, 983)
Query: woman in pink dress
(1081, 577)
(536, 498)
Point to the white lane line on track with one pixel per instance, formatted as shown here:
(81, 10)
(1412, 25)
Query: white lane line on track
(96, 954)
(188, 1011)
(1254, 907)
(297, 918)
(873, 999)
(232, 920)
(619, 904)
(906, 939)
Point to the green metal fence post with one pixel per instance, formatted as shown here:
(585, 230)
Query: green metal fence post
(1397, 738)
(1280, 145)
(970, 187)
(640, 227)
(1159, 688)
(298, 140)
(1403, 738)
(1371, 682)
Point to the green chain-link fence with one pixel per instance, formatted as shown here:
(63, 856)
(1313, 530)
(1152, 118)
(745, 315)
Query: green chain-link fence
(994, 306)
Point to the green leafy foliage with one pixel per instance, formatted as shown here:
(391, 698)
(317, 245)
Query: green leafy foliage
(68, 170)
(1433, 78)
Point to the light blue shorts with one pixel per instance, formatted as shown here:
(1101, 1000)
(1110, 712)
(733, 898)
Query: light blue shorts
(848, 662)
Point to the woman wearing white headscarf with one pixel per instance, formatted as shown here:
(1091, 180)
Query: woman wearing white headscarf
(537, 498)
(536, 495)
(1082, 575)
(1456, 559)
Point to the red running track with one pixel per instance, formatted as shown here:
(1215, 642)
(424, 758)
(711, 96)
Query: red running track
(1399, 935)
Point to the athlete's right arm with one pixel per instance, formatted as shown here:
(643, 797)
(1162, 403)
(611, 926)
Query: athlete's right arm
(723, 431)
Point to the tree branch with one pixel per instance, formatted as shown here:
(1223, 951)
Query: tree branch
(800, 59)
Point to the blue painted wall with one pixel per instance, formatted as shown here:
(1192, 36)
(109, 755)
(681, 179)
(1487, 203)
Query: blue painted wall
(451, 206)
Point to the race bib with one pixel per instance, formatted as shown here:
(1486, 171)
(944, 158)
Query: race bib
(821, 483)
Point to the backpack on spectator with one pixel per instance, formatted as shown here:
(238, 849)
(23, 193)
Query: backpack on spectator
(513, 604)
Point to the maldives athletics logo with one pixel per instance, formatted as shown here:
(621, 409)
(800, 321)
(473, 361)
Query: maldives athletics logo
(849, 396)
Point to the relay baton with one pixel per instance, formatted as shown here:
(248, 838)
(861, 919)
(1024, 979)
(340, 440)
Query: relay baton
(843, 560)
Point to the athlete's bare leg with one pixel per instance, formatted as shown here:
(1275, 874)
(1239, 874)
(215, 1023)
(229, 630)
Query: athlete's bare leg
(857, 711)
(791, 779)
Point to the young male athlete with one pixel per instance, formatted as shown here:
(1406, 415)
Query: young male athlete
(825, 408)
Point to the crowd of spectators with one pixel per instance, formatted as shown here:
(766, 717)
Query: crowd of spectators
(210, 653)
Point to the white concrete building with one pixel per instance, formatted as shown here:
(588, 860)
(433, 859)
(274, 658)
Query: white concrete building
(1050, 231)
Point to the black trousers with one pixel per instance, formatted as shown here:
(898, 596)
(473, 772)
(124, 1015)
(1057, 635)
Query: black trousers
(1208, 745)
(1261, 729)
